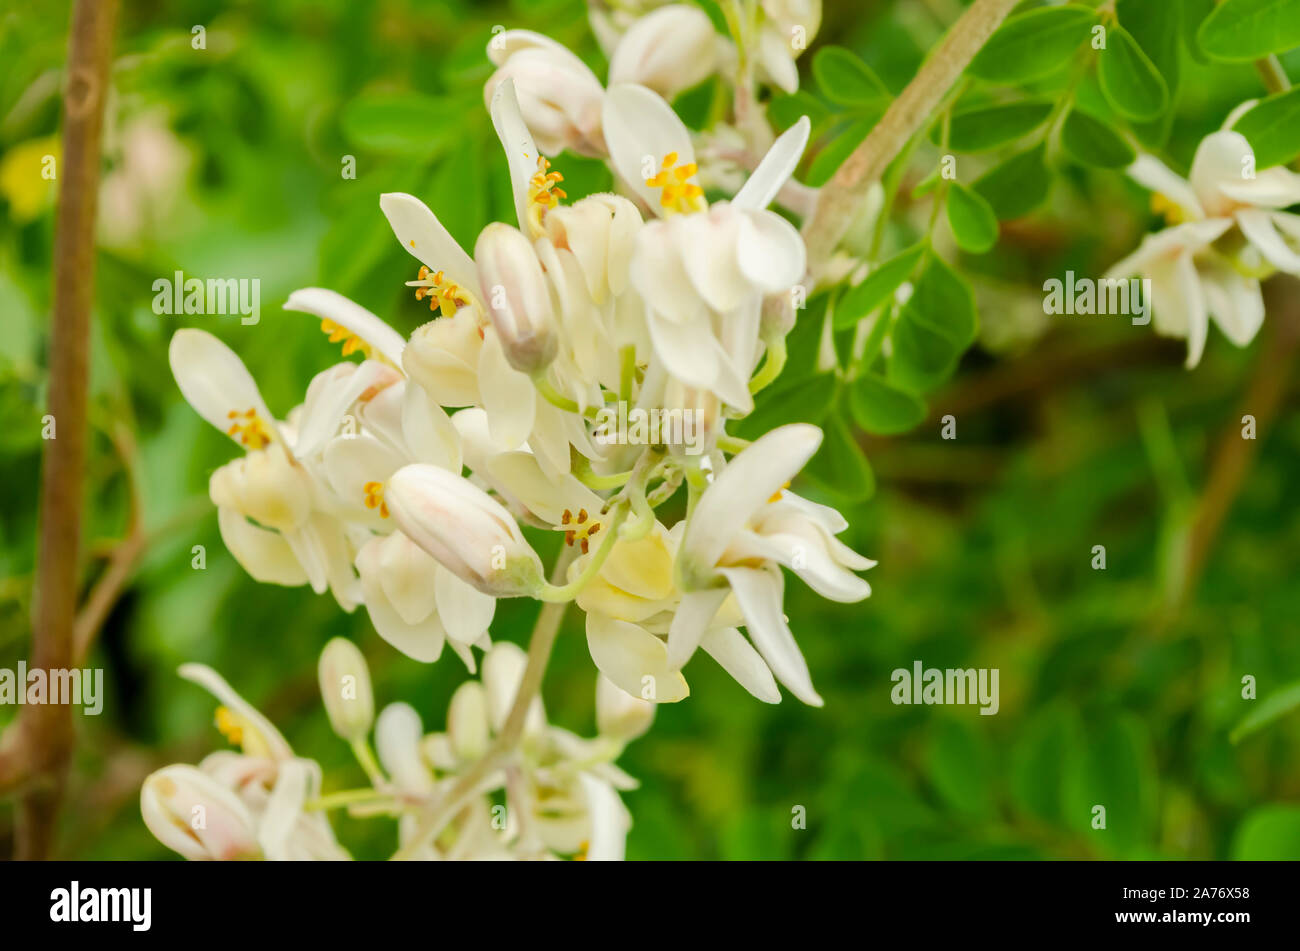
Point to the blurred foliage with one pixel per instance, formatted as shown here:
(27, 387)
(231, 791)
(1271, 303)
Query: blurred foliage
(227, 161)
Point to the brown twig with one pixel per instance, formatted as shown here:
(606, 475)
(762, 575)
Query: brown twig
(842, 196)
(42, 746)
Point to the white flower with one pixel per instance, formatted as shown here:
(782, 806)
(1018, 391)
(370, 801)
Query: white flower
(787, 28)
(345, 689)
(703, 272)
(519, 300)
(1226, 233)
(262, 790)
(744, 527)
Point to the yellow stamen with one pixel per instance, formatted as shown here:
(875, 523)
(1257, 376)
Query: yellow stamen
(249, 428)
(1165, 206)
(776, 496)
(679, 193)
(351, 342)
(444, 294)
(578, 529)
(542, 193)
(375, 497)
(231, 726)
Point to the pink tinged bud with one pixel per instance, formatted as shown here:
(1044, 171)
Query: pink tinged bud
(193, 814)
(345, 689)
(519, 300)
(669, 50)
(465, 529)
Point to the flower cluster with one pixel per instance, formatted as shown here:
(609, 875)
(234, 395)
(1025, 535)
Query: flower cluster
(403, 479)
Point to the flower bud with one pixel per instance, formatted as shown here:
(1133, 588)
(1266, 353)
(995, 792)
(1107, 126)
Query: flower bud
(465, 529)
(669, 50)
(519, 301)
(619, 714)
(559, 96)
(398, 736)
(503, 672)
(345, 689)
(467, 721)
(191, 813)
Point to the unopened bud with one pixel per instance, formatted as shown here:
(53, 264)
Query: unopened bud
(519, 301)
(191, 813)
(669, 50)
(345, 689)
(465, 529)
(467, 721)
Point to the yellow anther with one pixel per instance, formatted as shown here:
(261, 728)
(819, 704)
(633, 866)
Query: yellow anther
(375, 497)
(542, 193)
(351, 342)
(444, 294)
(1165, 206)
(231, 725)
(581, 854)
(578, 529)
(776, 496)
(679, 194)
(249, 428)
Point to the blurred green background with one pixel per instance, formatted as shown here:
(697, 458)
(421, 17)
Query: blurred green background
(1118, 687)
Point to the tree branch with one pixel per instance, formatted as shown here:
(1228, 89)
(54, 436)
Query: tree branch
(841, 198)
(44, 745)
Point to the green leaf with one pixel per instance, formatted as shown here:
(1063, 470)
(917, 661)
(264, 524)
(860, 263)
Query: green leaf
(1037, 767)
(1114, 769)
(786, 110)
(1273, 128)
(845, 79)
(806, 400)
(1194, 15)
(884, 409)
(832, 155)
(978, 130)
(933, 329)
(972, 220)
(1240, 30)
(1018, 185)
(840, 464)
(399, 123)
(1094, 143)
(945, 301)
(1157, 27)
(880, 284)
(1032, 45)
(959, 764)
(1269, 709)
(1129, 80)
(1271, 833)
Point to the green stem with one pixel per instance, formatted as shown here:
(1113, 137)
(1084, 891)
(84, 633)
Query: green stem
(345, 797)
(361, 749)
(772, 365)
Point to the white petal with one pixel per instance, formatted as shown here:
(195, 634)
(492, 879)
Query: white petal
(688, 350)
(708, 249)
(283, 809)
(776, 167)
(1222, 158)
(215, 684)
(759, 594)
(264, 554)
(1271, 188)
(508, 395)
(352, 462)
(397, 741)
(659, 273)
(692, 619)
(737, 657)
(746, 484)
(628, 654)
(213, 379)
(430, 436)
(521, 153)
(1257, 226)
(324, 410)
(770, 251)
(640, 129)
(1154, 175)
(351, 316)
(1235, 302)
(609, 821)
(423, 236)
(465, 611)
